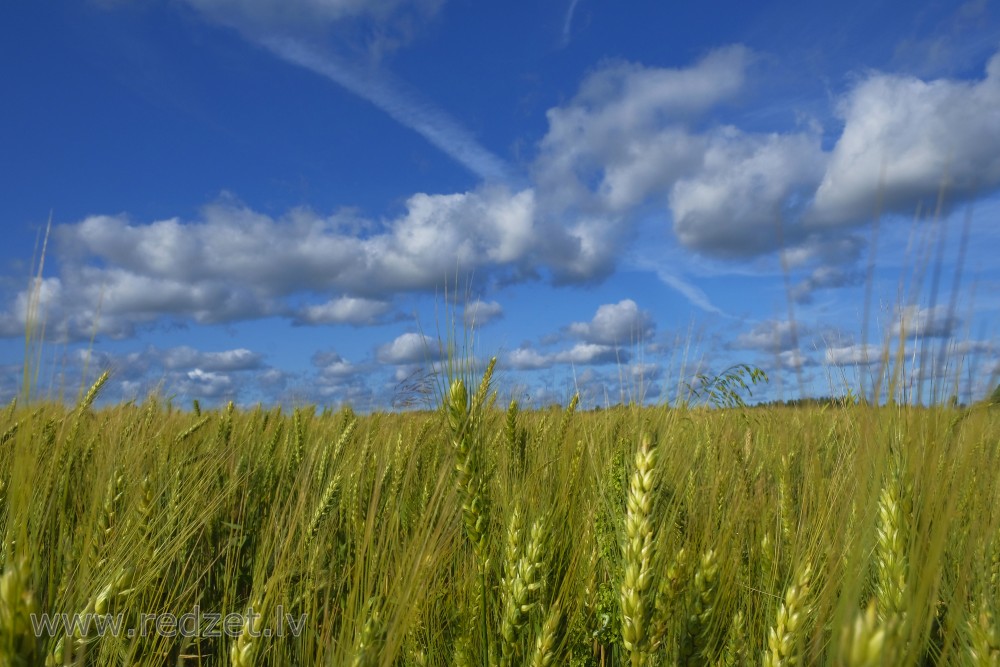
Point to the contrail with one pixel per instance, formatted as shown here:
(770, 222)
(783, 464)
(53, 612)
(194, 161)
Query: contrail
(404, 106)
(568, 22)
(693, 294)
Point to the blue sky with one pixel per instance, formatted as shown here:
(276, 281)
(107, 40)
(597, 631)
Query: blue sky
(290, 200)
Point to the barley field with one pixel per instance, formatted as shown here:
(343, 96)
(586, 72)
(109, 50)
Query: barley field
(478, 534)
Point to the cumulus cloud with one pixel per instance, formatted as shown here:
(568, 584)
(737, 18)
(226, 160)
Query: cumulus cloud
(332, 365)
(409, 348)
(633, 136)
(917, 322)
(344, 310)
(904, 137)
(636, 136)
(623, 138)
(235, 263)
(853, 355)
(621, 129)
(183, 372)
(619, 323)
(794, 360)
(206, 384)
(770, 336)
(745, 192)
(183, 357)
(526, 358)
(824, 277)
(581, 354)
(479, 313)
(592, 353)
(971, 347)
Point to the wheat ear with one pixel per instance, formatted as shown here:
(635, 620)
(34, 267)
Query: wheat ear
(864, 643)
(637, 553)
(544, 654)
(17, 605)
(522, 591)
(984, 635)
(701, 609)
(785, 639)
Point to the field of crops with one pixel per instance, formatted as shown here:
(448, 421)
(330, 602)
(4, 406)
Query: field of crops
(476, 534)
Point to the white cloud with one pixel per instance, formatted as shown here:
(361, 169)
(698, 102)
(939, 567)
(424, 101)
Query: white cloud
(479, 313)
(921, 132)
(581, 354)
(523, 359)
(344, 310)
(204, 384)
(915, 322)
(332, 365)
(631, 136)
(235, 263)
(592, 353)
(969, 347)
(794, 360)
(619, 323)
(746, 191)
(770, 336)
(628, 140)
(853, 355)
(622, 130)
(824, 277)
(409, 348)
(184, 357)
